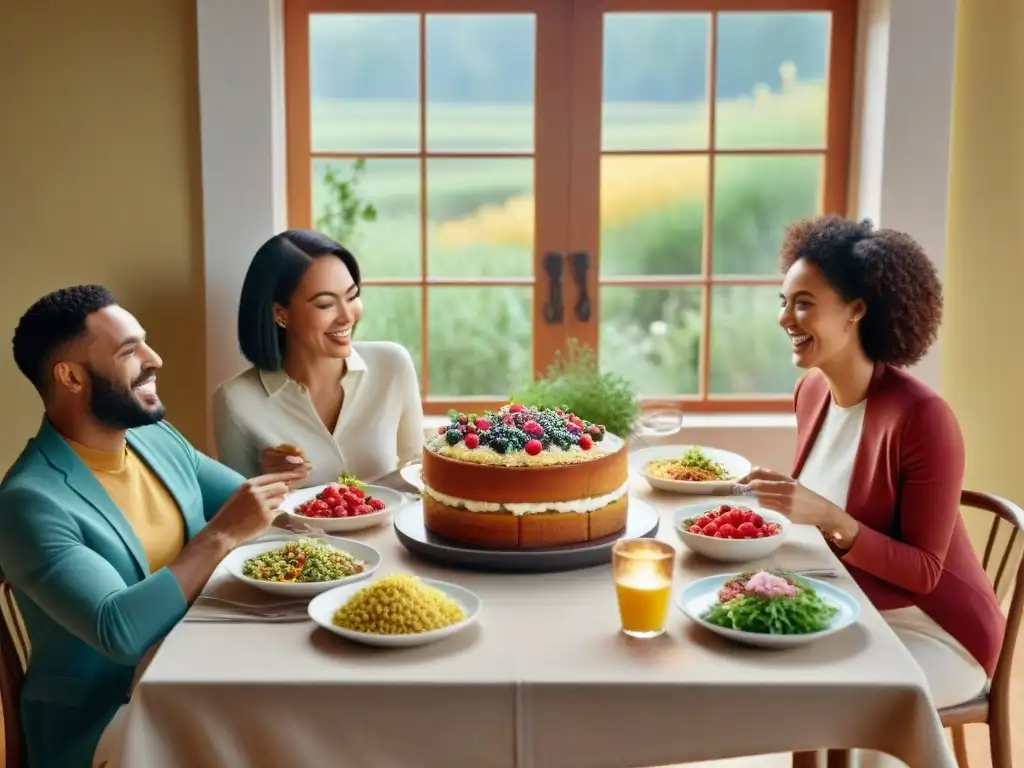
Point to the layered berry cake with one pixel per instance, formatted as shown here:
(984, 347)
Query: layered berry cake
(523, 478)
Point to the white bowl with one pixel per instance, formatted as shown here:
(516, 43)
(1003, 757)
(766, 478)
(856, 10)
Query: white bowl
(729, 550)
(698, 596)
(735, 465)
(323, 607)
(391, 498)
(237, 557)
(413, 475)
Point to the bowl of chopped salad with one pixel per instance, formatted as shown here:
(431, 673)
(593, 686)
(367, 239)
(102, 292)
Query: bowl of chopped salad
(691, 469)
(768, 608)
(302, 567)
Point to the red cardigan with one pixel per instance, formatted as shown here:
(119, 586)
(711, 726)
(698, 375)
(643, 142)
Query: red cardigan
(913, 547)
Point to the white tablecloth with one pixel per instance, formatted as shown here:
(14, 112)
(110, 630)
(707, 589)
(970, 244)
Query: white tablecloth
(544, 681)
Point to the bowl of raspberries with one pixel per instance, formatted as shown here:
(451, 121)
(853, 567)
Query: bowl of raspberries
(347, 505)
(730, 533)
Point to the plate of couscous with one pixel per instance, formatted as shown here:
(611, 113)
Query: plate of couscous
(397, 610)
(302, 567)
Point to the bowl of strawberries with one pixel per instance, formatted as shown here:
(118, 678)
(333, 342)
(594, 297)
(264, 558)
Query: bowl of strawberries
(730, 532)
(347, 505)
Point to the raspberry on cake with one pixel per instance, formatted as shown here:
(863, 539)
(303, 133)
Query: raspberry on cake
(523, 478)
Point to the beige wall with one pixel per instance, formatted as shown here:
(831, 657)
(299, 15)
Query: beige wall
(99, 181)
(983, 344)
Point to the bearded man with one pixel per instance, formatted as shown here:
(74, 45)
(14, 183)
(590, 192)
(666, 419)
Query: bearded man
(111, 523)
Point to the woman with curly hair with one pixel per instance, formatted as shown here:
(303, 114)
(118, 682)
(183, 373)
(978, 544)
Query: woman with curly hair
(880, 456)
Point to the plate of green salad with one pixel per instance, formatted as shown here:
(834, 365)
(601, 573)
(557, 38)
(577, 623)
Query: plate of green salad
(302, 567)
(768, 608)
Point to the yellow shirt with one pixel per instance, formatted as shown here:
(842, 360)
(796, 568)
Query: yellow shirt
(146, 504)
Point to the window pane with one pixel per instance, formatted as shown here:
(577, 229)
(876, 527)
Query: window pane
(392, 313)
(480, 82)
(771, 80)
(655, 81)
(480, 340)
(756, 198)
(652, 214)
(481, 217)
(652, 337)
(373, 208)
(364, 82)
(750, 353)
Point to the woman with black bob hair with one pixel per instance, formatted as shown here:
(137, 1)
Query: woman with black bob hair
(880, 458)
(313, 399)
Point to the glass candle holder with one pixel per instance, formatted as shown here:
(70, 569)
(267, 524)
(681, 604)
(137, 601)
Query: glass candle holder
(642, 569)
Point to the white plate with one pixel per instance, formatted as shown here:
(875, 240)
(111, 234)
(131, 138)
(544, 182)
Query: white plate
(413, 475)
(323, 607)
(392, 498)
(729, 550)
(698, 597)
(735, 465)
(237, 557)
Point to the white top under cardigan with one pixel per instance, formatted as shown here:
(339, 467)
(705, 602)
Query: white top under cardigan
(380, 427)
(829, 464)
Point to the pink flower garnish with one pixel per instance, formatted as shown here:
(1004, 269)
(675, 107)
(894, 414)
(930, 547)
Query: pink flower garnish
(764, 584)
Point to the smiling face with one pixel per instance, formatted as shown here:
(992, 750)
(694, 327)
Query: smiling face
(111, 371)
(323, 310)
(822, 327)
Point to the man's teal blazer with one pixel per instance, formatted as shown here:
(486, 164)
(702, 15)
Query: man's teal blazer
(80, 576)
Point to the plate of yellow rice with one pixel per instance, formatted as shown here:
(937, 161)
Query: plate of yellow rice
(395, 611)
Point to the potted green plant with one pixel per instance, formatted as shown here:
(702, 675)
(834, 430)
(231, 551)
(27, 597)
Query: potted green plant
(575, 382)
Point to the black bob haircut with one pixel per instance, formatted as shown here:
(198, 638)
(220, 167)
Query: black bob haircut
(55, 319)
(273, 275)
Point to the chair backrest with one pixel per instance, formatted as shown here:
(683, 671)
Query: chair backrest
(13, 660)
(1003, 510)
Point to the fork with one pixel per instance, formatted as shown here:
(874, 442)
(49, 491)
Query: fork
(293, 611)
(239, 618)
(820, 573)
(278, 604)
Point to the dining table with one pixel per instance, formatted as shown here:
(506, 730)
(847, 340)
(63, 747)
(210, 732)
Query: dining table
(544, 679)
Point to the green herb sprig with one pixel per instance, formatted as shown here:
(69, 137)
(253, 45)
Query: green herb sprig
(574, 382)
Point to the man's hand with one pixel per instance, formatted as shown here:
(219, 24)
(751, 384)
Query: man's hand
(253, 507)
(248, 513)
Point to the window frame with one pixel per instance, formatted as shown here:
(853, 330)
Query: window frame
(581, 167)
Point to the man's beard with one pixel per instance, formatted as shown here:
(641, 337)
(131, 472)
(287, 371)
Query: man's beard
(118, 407)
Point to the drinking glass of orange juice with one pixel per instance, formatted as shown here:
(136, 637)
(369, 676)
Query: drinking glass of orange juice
(642, 569)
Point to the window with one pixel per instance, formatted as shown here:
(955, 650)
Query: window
(515, 173)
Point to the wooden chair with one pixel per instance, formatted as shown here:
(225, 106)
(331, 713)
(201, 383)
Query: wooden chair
(13, 658)
(992, 707)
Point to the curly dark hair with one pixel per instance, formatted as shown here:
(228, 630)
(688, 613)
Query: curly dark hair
(56, 318)
(887, 270)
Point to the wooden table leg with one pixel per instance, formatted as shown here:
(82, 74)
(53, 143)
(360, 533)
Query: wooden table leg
(805, 760)
(839, 758)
